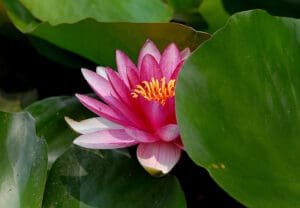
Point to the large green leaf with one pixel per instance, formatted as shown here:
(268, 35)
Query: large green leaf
(49, 116)
(70, 11)
(110, 179)
(242, 118)
(98, 41)
(23, 162)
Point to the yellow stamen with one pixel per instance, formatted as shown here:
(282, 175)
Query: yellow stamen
(156, 90)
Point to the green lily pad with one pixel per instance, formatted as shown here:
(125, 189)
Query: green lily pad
(85, 178)
(98, 41)
(69, 11)
(50, 124)
(23, 162)
(242, 119)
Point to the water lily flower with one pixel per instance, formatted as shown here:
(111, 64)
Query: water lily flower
(138, 107)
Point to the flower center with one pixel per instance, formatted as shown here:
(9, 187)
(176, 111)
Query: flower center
(156, 90)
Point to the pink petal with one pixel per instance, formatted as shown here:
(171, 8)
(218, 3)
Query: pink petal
(185, 53)
(104, 88)
(177, 70)
(170, 59)
(91, 125)
(118, 86)
(149, 69)
(128, 112)
(100, 85)
(106, 139)
(154, 113)
(124, 62)
(158, 158)
(103, 110)
(178, 143)
(113, 92)
(133, 78)
(170, 106)
(148, 48)
(168, 132)
(141, 136)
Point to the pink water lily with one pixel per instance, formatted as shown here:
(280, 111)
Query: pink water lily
(138, 107)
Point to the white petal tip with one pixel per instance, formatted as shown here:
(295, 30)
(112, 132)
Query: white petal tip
(80, 142)
(101, 71)
(185, 53)
(87, 74)
(91, 125)
(76, 142)
(84, 70)
(119, 52)
(70, 122)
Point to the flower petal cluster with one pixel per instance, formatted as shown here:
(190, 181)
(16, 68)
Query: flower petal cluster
(137, 107)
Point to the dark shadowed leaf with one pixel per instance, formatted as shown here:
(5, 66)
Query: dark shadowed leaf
(110, 179)
(187, 12)
(286, 8)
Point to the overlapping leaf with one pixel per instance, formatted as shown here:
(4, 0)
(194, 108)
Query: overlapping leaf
(98, 41)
